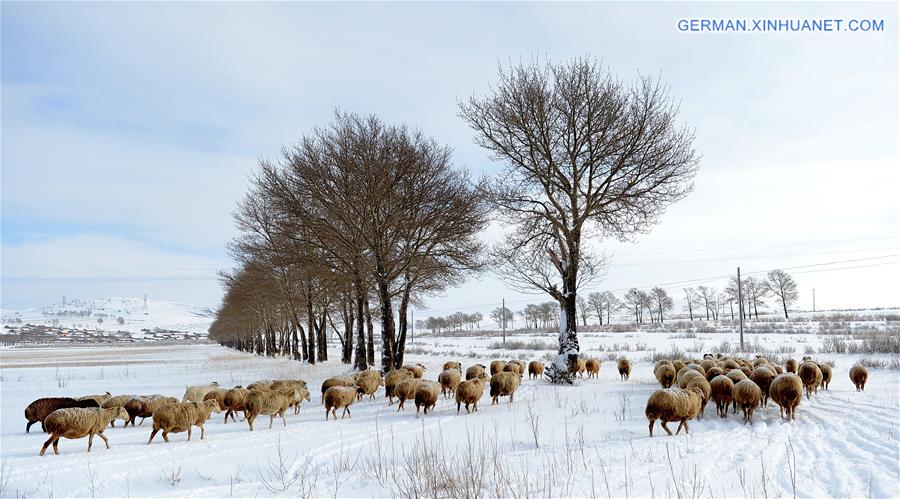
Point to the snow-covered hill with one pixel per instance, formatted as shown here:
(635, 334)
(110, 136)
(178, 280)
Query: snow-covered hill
(117, 314)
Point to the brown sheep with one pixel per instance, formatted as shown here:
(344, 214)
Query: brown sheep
(406, 390)
(687, 376)
(736, 375)
(696, 367)
(143, 407)
(730, 363)
(763, 376)
(775, 367)
(183, 416)
(760, 361)
(218, 395)
(673, 405)
(580, 367)
(859, 375)
(811, 376)
(449, 380)
(701, 383)
(475, 371)
(451, 364)
(712, 372)
(469, 392)
(678, 364)
(722, 388)
(747, 396)
(503, 384)
(786, 390)
(427, 395)
(233, 402)
(100, 399)
(347, 381)
(516, 366)
(337, 397)
(304, 395)
(624, 368)
(390, 382)
(38, 410)
(270, 402)
(791, 366)
(535, 369)
(116, 401)
(826, 375)
(368, 382)
(497, 366)
(263, 384)
(661, 362)
(418, 370)
(79, 422)
(707, 364)
(665, 374)
(592, 367)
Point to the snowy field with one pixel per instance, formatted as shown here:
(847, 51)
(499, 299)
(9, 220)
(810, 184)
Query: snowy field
(586, 440)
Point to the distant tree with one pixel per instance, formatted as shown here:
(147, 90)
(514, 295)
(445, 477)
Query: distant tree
(595, 300)
(783, 286)
(690, 297)
(757, 292)
(477, 317)
(610, 304)
(582, 309)
(707, 295)
(634, 303)
(120, 320)
(734, 294)
(499, 314)
(662, 301)
(100, 320)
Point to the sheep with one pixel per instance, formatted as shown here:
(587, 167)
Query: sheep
(665, 374)
(116, 401)
(747, 395)
(730, 363)
(418, 370)
(503, 384)
(624, 366)
(859, 375)
(143, 407)
(791, 366)
(469, 392)
(284, 384)
(406, 390)
(476, 370)
(661, 362)
(811, 376)
(535, 369)
(390, 382)
(233, 402)
(775, 367)
(339, 397)
(786, 390)
(304, 395)
(712, 372)
(347, 381)
(427, 395)
(497, 366)
(678, 364)
(183, 416)
(263, 384)
(100, 399)
(368, 382)
(826, 375)
(218, 395)
(687, 376)
(515, 366)
(722, 388)
(196, 393)
(449, 380)
(592, 366)
(521, 365)
(701, 383)
(270, 402)
(760, 361)
(41, 408)
(763, 376)
(736, 375)
(673, 405)
(707, 364)
(580, 367)
(696, 367)
(452, 364)
(79, 422)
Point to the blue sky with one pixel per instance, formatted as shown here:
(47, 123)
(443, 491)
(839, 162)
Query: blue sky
(128, 130)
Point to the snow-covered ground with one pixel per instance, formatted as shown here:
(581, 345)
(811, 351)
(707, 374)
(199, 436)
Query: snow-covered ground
(589, 439)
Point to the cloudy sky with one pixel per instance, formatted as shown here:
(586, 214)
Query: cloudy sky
(129, 130)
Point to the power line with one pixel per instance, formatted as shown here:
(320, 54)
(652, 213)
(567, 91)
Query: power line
(668, 252)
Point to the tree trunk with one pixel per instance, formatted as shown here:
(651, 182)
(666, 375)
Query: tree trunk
(400, 347)
(370, 330)
(348, 317)
(784, 304)
(323, 341)
(566, 364)
(361, 364)
(387, 320)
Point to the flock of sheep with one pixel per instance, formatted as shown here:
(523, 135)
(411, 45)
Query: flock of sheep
(724, 380)
(736, 382)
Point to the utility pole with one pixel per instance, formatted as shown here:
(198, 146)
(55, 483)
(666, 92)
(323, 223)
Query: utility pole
(503, 320)
(741, 307)
(814, 299)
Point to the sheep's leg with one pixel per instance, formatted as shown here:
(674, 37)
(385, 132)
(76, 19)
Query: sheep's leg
(326, 414)
(142, 421)
(28, 426)
(56, 446)
(346, 412)
(166, 435)
(90, 441)
(152, 434)
(665, 427)
(202, 431)
(284, 419)
(680, 426)
(511, 397)
(105, 440)
(226, 416)
(458, 406)
(189, 432)
(271, 420)
(47, 444)
(651, 427)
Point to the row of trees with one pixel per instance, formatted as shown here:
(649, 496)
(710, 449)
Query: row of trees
(355, 222)
(453, 322)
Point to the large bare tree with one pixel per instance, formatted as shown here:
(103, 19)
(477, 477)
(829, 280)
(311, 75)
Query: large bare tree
(783, 286)
(584, 155)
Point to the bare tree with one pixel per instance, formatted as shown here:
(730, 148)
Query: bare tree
(783, 286)
(635, 303)
(663, 302)
(584, 154)
(690, 297)
(582, 309)
(756, 291)
(595, 300)
(611, 304)
(502, 316)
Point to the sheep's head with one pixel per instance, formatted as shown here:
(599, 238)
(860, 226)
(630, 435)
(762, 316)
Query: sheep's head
(304, 394)
(120, 413)
(213, 405)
